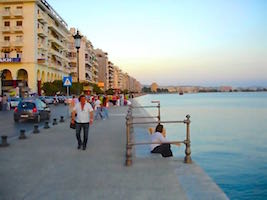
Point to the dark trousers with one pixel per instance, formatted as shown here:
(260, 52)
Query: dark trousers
(163, 149)
(79, 127)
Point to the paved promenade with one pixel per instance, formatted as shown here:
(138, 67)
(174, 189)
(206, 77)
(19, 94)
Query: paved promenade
(49, 166)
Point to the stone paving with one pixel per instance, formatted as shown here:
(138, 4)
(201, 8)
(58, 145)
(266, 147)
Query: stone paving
(49, 166)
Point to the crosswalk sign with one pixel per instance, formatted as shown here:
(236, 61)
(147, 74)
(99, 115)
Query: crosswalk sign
(67, 81)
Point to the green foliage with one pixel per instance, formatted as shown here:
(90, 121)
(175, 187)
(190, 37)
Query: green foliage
(76, 88)
(125, 91)
(109, 92)
(146, 90)
(161, 90)
(50, 89)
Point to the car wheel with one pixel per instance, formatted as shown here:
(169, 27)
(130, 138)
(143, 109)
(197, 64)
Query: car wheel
(38, 119)
(16, 120)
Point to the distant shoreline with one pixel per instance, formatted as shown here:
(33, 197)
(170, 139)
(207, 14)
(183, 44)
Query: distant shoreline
(202, 92)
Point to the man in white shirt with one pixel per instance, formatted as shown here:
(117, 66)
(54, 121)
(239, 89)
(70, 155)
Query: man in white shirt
(98, 108)
(84, 115)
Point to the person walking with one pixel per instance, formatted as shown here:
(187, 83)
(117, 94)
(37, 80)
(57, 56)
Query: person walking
(4, 103)
(98, 108)
(105, 107)
(84, 116)
(1, 102)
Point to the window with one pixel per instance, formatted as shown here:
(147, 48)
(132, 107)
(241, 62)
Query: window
(19, 23)
(7, 23)
(19, 54)
(19, 7)
(7, 38)
(7, 9)
(6, 55)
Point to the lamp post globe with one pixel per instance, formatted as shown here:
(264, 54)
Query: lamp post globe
(77, 37)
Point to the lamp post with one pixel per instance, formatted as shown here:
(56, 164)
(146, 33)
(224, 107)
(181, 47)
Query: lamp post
(77, 39)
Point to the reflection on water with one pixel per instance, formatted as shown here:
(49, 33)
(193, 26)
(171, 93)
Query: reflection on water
(228, 133)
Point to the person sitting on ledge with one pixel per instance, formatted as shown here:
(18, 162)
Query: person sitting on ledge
(164, 147)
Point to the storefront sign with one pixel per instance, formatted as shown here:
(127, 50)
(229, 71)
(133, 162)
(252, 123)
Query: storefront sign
(9, 60)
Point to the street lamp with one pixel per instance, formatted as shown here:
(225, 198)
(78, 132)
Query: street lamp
(77, 39)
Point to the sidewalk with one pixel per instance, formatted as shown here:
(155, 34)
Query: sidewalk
(49, 166)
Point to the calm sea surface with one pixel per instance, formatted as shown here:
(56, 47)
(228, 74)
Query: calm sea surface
(228, 137)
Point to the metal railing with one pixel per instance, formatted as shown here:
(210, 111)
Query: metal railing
(129, 132)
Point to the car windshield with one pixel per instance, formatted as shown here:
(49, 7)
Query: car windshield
(26, 105)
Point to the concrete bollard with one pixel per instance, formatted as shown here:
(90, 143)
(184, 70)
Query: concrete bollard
(55, 121)
(61, 119)
(22, 135)
(4, 141)
(35, 129)
(46, 126)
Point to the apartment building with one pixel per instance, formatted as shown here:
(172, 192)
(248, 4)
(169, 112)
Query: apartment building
(34, 44)
(103, 69)
(88, 66)
(111, 75)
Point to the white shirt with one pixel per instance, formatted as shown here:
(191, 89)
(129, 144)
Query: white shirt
(97, 103)
(157, 137)
(83, 116)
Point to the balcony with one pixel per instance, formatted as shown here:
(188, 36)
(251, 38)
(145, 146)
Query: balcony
(17, 43)
(55, 28)
(6, 13)
(17, 28)
(5, 43)
(42, 31)
(42, 61)
(55, 52)
(55, 65)
(6, 29)
(73, 59)
(42, 46)
(17, 13)
(56, 41)
(41, 17)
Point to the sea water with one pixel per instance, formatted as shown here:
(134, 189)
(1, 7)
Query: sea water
(228, 137)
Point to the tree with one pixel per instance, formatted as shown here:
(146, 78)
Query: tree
(146, 89)
(76, 88)
(125, 91)
(97, 89)
(49, 88)
(110, 92)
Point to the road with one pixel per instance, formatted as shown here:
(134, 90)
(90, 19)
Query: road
(11, 129)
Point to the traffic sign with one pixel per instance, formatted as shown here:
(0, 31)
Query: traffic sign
(67, 81)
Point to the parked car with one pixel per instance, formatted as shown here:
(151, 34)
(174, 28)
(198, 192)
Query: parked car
(47, 99)
(14, 101)
(67, 100)
(33, 109)
(61, 99)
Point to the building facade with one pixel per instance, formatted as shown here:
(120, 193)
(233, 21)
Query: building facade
(34, 44)
(103, 69)
(88, 66)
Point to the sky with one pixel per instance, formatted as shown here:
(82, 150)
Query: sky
(177, 42)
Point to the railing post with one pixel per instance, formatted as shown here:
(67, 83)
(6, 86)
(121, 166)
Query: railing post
(128, 161)
(159, 111)
(158, 106)
(187, 158)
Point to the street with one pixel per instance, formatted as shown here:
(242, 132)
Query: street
(10, 128)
